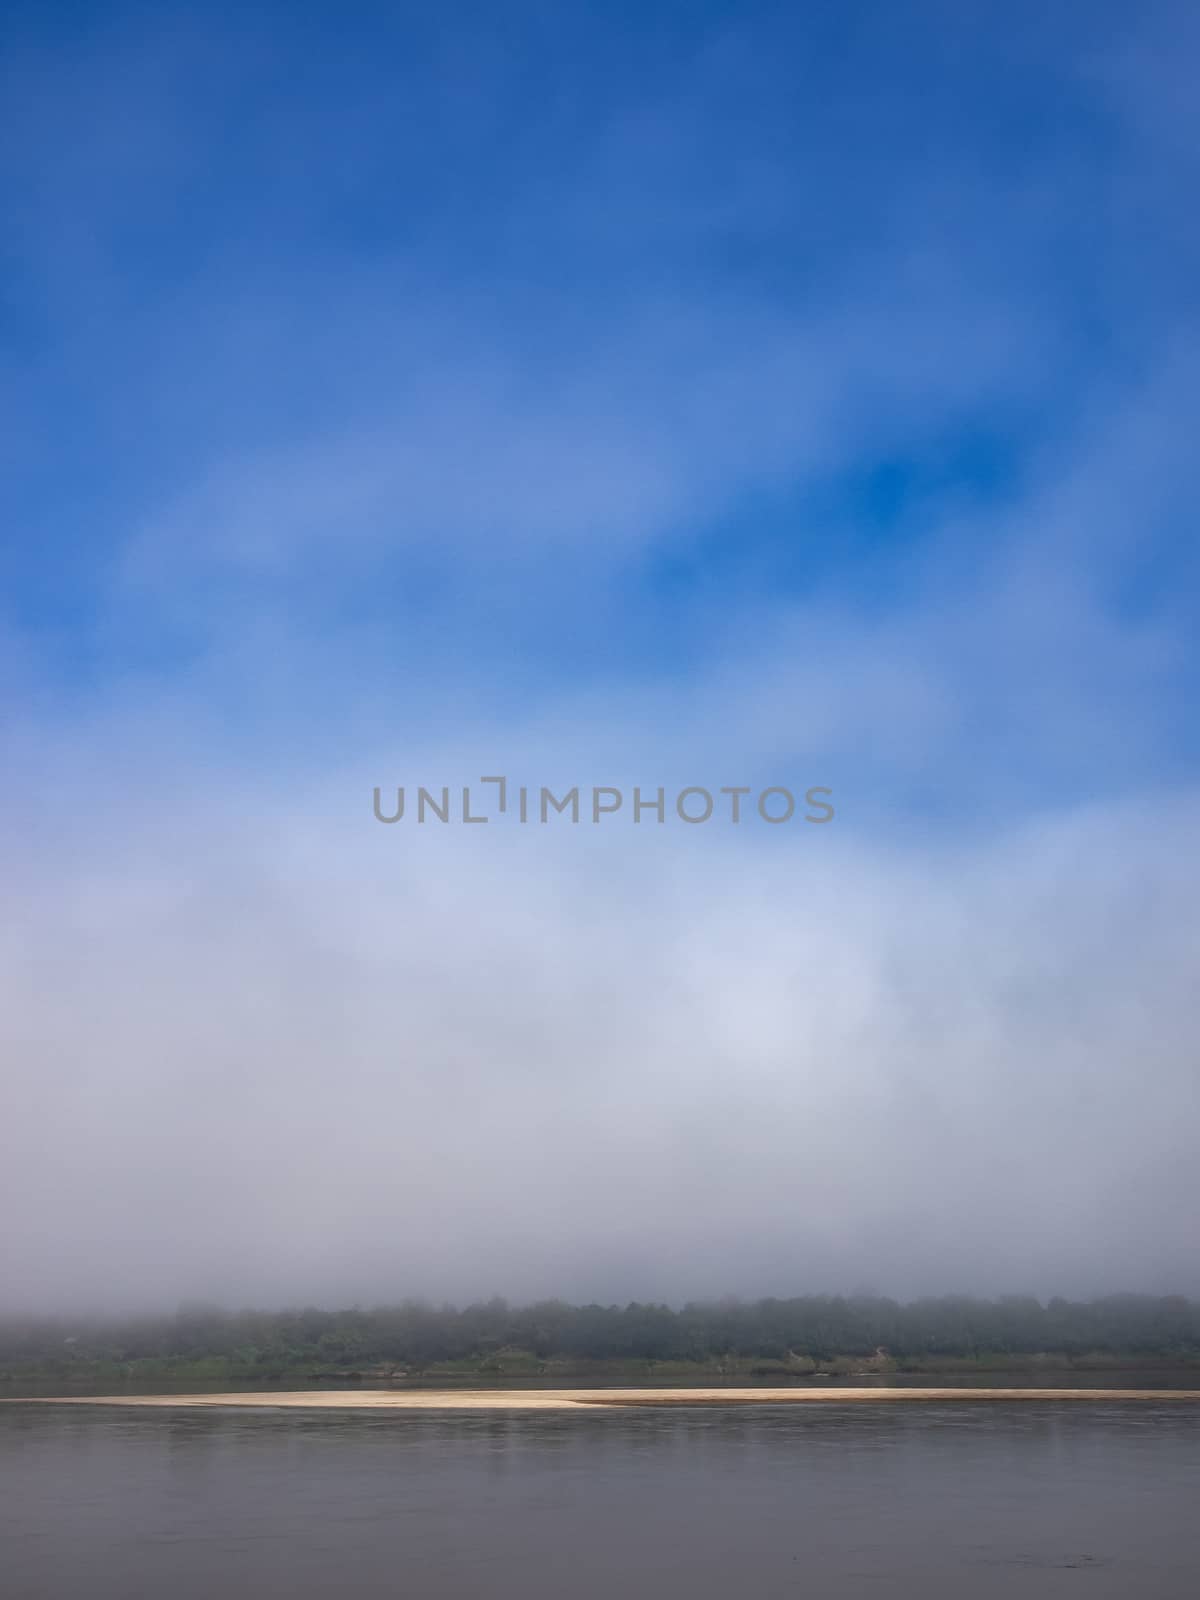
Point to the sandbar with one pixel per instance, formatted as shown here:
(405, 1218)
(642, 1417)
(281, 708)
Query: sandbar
(597, 1399)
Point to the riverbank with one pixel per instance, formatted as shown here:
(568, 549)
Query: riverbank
(520, 1370)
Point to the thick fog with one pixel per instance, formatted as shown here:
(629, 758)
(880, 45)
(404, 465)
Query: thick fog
(274, 1052)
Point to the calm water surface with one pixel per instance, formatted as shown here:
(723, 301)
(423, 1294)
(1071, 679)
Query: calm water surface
(832, 1501)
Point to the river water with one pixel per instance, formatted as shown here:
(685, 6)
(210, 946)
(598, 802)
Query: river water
(964, 1500)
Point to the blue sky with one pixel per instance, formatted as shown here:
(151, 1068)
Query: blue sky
(700, 310)
(662, 393)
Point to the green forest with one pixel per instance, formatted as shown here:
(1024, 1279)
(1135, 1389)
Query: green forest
(768, 1338)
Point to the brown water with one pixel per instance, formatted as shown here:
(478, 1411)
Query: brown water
(958, 1500)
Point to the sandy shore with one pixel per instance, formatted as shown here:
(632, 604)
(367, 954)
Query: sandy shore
(592, 1399)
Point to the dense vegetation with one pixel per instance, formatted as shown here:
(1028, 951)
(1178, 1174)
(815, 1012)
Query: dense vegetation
(827, 1333)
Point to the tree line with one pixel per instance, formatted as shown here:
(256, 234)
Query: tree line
(811, 1329)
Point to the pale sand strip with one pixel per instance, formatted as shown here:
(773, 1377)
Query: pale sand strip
(591, 1399)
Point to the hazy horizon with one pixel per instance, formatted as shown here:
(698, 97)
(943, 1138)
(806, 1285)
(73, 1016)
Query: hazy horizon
(199, 1308)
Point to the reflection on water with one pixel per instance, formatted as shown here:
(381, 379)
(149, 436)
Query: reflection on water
(929, 1501)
